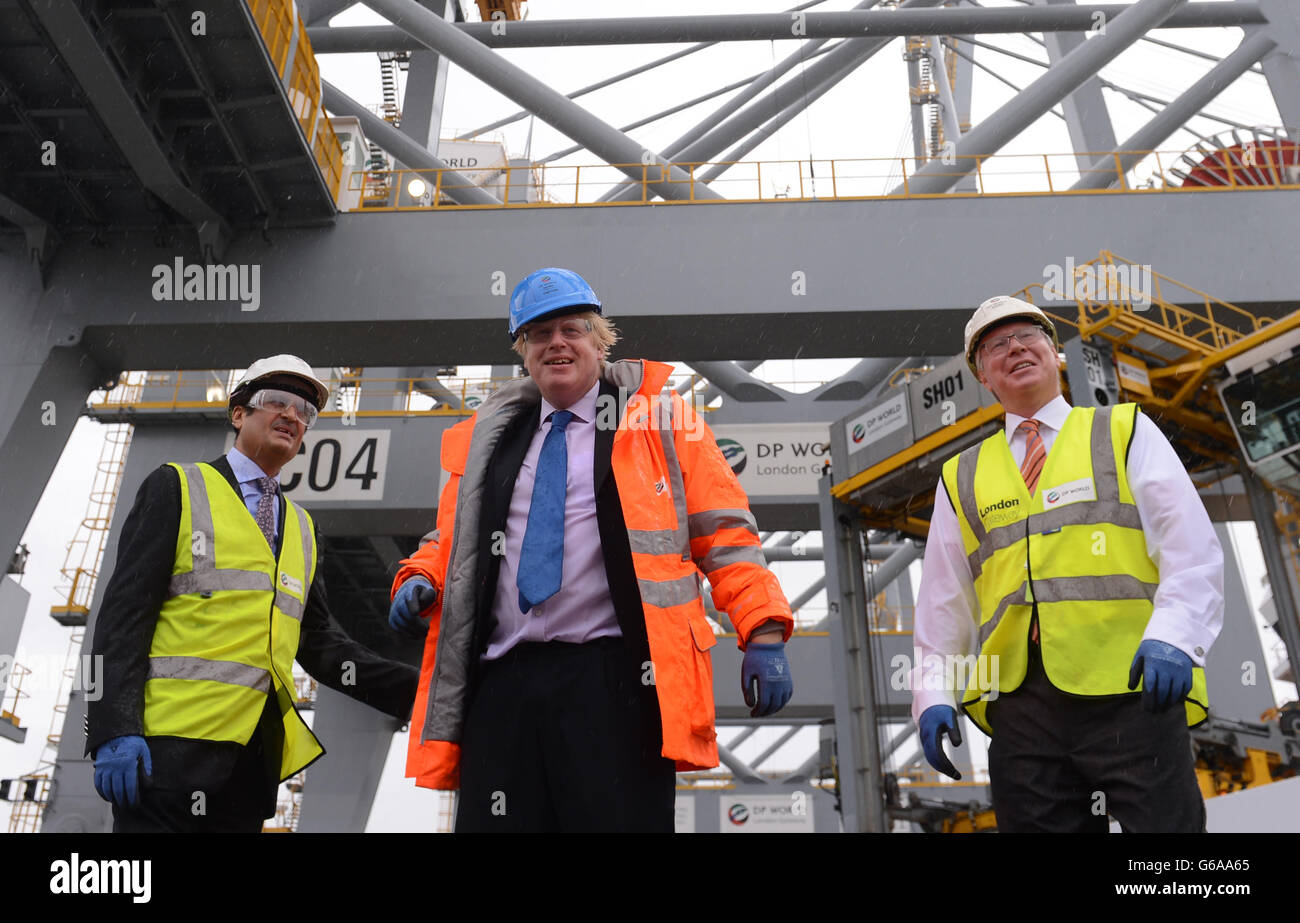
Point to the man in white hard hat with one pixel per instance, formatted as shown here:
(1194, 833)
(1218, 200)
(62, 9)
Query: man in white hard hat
(1070, 553)
(217, 588)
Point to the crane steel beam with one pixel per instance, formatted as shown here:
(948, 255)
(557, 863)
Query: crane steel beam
(610, 81)
(778, 26)
(1105, 171)
(1282, 65)
(590, 88)
(737, 383)
(455, 186)
(121, 118)
(1040, 96)
(812, 590)
(712, 134)
(1086, 116)
(552, 107)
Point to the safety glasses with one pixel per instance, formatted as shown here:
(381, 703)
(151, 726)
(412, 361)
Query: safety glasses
(278, 401)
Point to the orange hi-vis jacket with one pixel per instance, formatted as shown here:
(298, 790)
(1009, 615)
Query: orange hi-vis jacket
(686, 514)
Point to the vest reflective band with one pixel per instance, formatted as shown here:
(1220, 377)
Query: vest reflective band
(1075, 549)
(212, 662)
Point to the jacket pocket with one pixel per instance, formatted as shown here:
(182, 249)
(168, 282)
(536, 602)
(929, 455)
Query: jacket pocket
(701, 708)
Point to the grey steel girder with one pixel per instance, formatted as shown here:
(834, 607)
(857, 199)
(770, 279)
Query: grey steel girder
(456, 186)
(726, 125)
(1104, 171)
(1086, 116)
(1282, 64)
(550, 106)
(750, 27)
(321, 291)
(1019, 113)
(737, 383)
(426, 86)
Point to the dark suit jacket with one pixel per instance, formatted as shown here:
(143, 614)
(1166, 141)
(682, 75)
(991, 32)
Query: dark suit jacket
(124, 629)
(503, 469)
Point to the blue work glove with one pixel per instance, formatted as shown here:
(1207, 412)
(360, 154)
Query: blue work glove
(935, 722)
(413, 597)
(1166, 674)
(118, 763)
(765, 678)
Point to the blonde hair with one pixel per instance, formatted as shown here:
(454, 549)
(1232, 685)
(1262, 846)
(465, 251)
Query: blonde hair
(602, 329)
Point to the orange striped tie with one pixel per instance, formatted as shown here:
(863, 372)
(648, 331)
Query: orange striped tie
(1030, 469)
(1035, 454)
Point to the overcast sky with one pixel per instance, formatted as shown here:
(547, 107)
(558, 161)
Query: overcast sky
(865, 116)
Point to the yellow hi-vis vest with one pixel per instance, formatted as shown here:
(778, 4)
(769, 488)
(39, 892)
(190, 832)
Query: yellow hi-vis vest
(1075, 547)
(228, 631)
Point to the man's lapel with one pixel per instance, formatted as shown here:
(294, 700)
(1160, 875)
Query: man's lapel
(605, 432)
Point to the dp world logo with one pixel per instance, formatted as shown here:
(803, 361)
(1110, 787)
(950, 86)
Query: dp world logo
(734, 453)
(738, 814)
(1053, 496)
(859, 433)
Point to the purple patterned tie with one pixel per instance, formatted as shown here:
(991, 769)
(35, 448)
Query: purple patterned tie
(266, 509)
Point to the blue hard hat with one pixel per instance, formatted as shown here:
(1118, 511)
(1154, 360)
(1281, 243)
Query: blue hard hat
(546, 292)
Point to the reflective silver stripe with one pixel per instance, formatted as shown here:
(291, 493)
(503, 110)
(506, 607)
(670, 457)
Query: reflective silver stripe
(218, 671)
(200, 520)
(1015, 598)
(1072, 514)
(681, 536)
(308, 543)
(204, 576)
(289, 605)
(720, 556)
(654, 541)
(666, 593)
(711, 521)
(1104, 474)
(966, 463)
(1072, 589)
(212, 581)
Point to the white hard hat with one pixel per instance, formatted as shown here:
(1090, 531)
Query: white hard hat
(996, 310)
(283, 364)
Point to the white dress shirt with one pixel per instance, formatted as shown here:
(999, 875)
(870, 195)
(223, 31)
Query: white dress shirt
(1180, 541)
(583, 609)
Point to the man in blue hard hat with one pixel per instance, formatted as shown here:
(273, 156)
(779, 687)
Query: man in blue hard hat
(567, 672)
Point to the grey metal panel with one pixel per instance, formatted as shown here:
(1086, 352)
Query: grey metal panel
(873, 433)
(1273, 808)
(13, 610)
(930, 394)
(1235, 670)
(340, 788)
(1091, 373)
(708, 805)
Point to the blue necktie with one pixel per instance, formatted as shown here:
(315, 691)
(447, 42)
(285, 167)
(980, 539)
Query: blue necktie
(541, 560)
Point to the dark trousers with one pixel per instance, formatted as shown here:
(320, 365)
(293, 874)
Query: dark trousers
(564, 737)
(198, 795)
(1061, 763)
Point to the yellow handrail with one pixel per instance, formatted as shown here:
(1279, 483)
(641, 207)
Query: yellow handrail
(839, 179)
